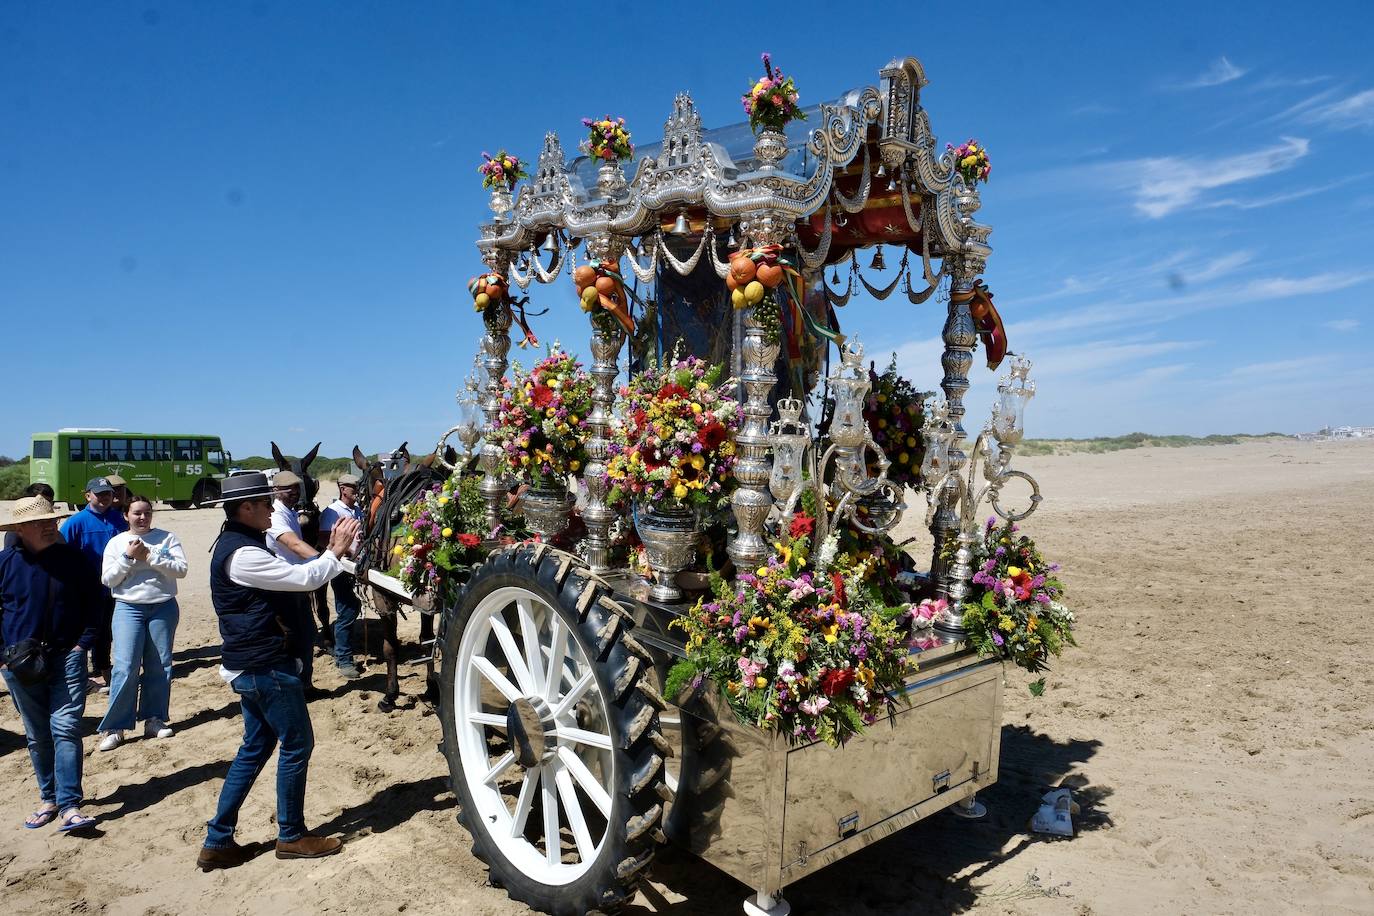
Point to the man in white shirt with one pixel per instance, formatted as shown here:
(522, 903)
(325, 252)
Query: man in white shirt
(265, 633)
(284, 538)
(346, 603)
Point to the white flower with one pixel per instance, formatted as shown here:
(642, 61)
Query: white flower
(826, 555)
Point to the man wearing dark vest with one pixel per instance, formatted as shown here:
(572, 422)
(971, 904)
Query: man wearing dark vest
(265, 638)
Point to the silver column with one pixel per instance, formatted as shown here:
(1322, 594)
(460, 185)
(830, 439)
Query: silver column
(960, 337)
(495, 346)
(596, 514)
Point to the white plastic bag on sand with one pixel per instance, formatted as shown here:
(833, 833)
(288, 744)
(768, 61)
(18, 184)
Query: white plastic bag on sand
(1055, 816)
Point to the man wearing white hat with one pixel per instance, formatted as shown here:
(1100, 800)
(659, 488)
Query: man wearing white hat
(48, 602)
(346, 604)
(264, 633)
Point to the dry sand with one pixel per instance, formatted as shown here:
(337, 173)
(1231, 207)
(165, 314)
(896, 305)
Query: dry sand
(1216, 723)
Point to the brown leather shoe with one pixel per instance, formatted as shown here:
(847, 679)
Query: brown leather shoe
(209, 859)
(309, 846)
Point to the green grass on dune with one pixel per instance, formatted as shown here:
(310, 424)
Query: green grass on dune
(1103, 444)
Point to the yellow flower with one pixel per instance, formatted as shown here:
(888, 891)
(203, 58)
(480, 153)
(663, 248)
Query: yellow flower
(829, 631)
(572, 418)
(882, 423)
(696, 408)
(698, 462)
(398, 550)
(443, 500)
(1033, 622)
(1006, 624)
(1013, 571)
(785, 551)
(448, 532)
(760, 682)
(410, 539)
(680, 491)
(761, 572)
(574, 464)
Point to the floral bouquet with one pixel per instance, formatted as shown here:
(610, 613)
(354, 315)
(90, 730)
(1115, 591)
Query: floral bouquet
(541, 426)
(972, 161)
(436, 548)
(772, 103)
(895, 414)
(794, 649)
(676, 445)
(1014, 607)
(607, 139)
(503, 170)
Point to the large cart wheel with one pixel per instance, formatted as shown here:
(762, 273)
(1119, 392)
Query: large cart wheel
(551, 733)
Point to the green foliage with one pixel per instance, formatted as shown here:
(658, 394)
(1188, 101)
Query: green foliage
(321, 468)
(13, 479)
(1103, 444)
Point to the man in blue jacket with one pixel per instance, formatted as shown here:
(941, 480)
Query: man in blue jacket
(266, 633)
(89, 531)
(48, 593)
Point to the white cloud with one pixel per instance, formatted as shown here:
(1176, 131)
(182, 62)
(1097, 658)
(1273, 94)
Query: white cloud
(1168, 183)
(1278, 368)
(1094, 108)
(1222, 71)
(1341, 324)
(1352, 111)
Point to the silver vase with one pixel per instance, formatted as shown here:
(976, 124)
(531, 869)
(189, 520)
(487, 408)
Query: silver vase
(610, 179)
(547, 509)
(500, 202)
(770, 149)
(670, 545)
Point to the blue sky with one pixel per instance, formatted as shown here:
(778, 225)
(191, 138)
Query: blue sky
(257, 219)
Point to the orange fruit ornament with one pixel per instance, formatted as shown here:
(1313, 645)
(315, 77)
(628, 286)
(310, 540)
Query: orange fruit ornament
(770, 275)
(584, 276)
(742, 269)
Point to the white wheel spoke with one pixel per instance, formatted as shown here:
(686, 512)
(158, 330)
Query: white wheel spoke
(525, 802)
(553, 843)
(507, 759)
(558, 648)
(513, 656)
(573, 695)
(573, 809)
(487, 718)
(578, 770)
(498, 680)
(529, 635)
(582, 736)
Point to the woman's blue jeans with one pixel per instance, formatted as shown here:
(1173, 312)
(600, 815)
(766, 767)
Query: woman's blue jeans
(273, 703)
(143, 635)
(51, 712)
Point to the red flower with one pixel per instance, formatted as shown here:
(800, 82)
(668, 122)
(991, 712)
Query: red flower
(836, 680)
(543, 394)
(469, 540)
(837, 585)
(802, 525)
(671, 390)
(711, 436)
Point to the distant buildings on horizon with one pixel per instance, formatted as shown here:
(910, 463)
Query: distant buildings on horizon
(1338, 432)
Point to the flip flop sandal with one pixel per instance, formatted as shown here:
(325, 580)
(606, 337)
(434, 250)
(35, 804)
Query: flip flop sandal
(41, 818)
(75, 823)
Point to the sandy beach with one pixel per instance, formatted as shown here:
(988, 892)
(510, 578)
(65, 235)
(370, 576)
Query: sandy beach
(1217, 723)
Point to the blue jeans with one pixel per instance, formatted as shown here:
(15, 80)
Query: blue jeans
(51, 712)
(143, 636)
(273, 703)
(346, 609)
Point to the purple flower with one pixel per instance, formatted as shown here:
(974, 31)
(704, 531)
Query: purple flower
(997, 638)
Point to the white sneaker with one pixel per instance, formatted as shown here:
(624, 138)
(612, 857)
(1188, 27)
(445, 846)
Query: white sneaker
(111, 741)
(156, 728)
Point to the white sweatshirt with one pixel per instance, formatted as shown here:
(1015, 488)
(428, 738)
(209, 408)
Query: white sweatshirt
(149, 581)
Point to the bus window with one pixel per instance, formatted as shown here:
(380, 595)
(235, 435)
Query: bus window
(117, 450)
(213, 453)
(138, 450)
(76, 449)
(164, 450)
(95, 450)
(42, 448)
(188, 450)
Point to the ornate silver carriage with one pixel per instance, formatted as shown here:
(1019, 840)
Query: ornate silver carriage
(569, 763)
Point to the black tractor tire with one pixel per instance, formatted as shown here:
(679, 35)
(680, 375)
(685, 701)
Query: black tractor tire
(205, 493)
(598, 624)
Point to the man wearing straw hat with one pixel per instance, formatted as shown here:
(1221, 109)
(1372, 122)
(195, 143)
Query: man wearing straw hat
(48, 601)
(266, 635)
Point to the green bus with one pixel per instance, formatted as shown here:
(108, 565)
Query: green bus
(175, 468)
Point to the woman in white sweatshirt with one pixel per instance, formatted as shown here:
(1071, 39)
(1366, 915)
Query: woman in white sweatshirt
(141, 569)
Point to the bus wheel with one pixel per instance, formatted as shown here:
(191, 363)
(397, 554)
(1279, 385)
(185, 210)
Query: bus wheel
(551, 733)
(206, 492)
(180, 504)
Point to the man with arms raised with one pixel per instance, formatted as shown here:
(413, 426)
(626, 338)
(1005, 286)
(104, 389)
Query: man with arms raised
(266, 635)
(284, 538)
